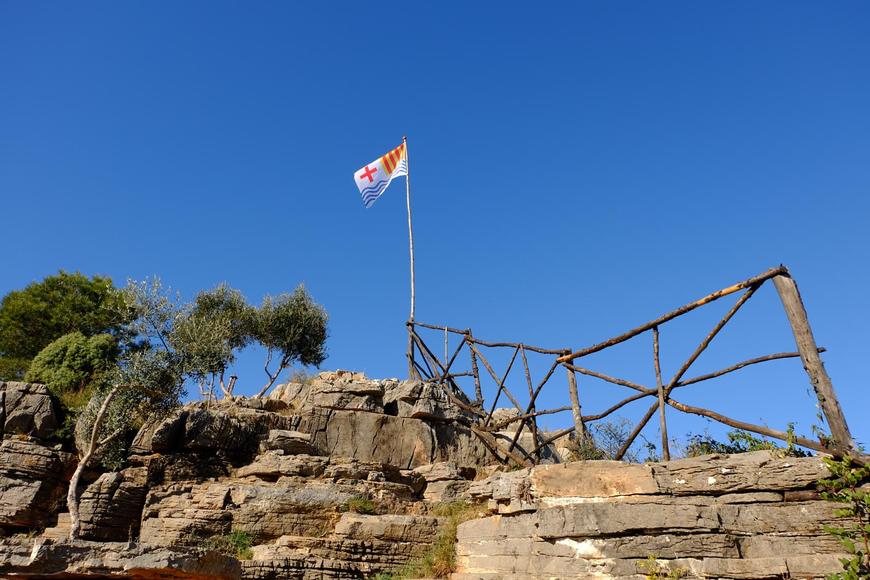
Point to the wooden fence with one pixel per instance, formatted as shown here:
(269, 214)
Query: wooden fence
(568, 363)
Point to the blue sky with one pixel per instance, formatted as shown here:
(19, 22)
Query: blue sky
(576, 170)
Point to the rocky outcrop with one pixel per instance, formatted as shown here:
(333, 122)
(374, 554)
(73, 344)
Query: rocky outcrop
(83, 559)
(27, 409)
(33, 480)
(111, 507)
(752, 515)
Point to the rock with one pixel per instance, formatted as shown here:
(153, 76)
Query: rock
(387, 527)
(710, 517)
(424, 400)
(28, 409)
(444, 481)
(234, 427)
(271, 466)
(292, 394)
(759, 470)
(83, 559)
(343, 394)
(111, 507)
(32, 482)
(398, 441)
(290, 442)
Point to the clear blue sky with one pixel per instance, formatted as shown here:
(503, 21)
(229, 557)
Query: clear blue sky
(577, 169)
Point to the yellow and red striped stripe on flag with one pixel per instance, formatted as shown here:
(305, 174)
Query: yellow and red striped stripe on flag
(392, 159)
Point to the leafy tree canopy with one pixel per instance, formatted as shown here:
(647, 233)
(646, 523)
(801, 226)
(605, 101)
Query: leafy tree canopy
(292, 326)
(72, 363)
(30, 319)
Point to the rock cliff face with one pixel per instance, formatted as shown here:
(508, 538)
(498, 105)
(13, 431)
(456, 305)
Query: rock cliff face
(751, 516)
(337, 479)
(287, 472)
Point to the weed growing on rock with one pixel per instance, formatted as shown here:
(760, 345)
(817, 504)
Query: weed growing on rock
(361, 505)
(440, 560)
(655, 570)
(236, 544)
(849, 484)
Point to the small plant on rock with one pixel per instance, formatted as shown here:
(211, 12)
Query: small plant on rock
(236, 544)
(655, 570)
(848, 485)
(361, 505)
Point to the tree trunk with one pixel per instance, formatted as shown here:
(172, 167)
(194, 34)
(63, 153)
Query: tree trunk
(72, 498)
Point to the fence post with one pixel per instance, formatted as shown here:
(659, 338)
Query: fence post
(579, 427)
(666, 451)
(413, 375)
(806, 345)
(478, 393)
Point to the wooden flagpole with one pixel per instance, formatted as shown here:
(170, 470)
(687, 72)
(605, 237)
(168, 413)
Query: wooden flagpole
(412, 372)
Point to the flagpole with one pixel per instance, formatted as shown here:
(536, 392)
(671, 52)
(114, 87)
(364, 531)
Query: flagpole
(412, 372)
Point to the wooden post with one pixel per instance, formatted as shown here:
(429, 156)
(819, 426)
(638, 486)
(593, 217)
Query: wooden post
(666, 452)
(806, 345)
(579, 427)
(412, 371)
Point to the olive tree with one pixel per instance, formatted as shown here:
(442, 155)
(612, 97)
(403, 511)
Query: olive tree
(147, 382)
(292, 327)
(209, 333)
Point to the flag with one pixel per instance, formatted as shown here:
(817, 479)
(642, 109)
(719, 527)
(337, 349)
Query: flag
(374, 178)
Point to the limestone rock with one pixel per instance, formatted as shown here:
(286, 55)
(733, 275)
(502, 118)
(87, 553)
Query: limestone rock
(84, 559)
(270, 466)
(32, 481)
(111, 507)
(289, 442)
(424, 400)
(28, 409)
(444, 481)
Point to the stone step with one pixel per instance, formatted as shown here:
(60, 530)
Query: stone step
(60, 531)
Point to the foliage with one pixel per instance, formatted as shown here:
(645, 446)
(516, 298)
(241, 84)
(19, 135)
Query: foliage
(360, 505)
(740, 442)
(71, 363)
(654, 570)
(30, 319)
(70, 367)
(604, 439)
(292, 326)
(440, 560)
(848, 485)
(210, 331)
(236, 544)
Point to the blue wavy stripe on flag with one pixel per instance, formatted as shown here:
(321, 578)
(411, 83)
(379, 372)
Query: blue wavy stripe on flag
(377, 187)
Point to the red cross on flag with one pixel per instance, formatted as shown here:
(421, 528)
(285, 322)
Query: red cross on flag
(374, 178)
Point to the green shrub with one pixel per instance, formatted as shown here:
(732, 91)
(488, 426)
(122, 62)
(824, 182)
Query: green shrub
(72, 367)
(440, 560)
(657, 571)
(236, 544)
(361, 505)
(847, 486)
(740, 442)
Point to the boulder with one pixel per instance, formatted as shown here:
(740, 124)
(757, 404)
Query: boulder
(424, 400)
(28, 409)
(84, 559)
(288, 442)
(111, 506)
(444, 481)
(32, 481)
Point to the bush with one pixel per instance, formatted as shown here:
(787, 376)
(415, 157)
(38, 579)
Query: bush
(236, 544)
(739, 442)
(71, 367)
(847, 486)
(361, 505)
(440, 560)
(32, 318)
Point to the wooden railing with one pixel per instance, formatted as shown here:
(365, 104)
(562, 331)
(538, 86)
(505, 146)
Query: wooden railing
(428, 366)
